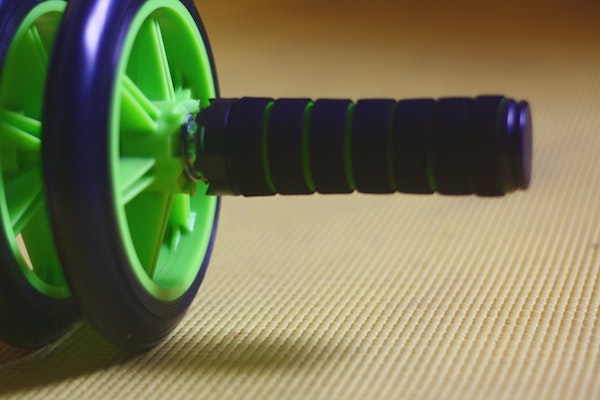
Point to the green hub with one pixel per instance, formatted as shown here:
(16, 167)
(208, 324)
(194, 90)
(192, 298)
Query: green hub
(22, 205)
(164, 76)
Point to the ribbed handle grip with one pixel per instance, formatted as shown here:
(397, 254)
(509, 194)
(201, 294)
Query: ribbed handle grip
(261, 146)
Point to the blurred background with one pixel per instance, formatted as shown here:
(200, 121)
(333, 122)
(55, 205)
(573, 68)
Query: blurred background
(397, 48)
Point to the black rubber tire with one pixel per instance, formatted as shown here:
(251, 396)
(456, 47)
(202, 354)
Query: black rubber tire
(28, 318)
(79, 183)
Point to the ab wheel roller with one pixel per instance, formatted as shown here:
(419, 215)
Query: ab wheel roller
(115, 149)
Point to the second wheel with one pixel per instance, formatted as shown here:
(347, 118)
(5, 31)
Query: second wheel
(36, 307)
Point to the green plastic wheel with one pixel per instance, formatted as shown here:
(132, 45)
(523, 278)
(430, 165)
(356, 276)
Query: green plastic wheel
(35, 302)
(133, 232)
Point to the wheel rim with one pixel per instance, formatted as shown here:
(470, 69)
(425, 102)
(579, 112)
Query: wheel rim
(25, 222)
(163, 77)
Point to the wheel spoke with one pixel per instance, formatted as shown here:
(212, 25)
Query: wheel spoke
(24, 197)
(47, 28)
(148, 217)
(38, 44)
(134, 177)
(181, 213)
(138, 113)
(149, 64)
(181, 220)
(19, 131)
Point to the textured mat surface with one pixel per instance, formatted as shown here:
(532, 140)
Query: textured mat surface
(366, 297)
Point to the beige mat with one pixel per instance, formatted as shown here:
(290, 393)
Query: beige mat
(393, 297)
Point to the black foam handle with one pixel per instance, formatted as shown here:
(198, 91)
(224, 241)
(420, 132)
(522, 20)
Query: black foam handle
(261, 146)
